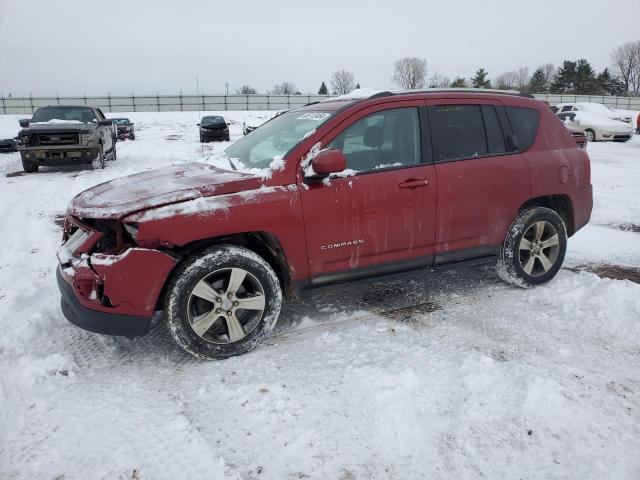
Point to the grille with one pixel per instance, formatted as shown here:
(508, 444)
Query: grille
(58, 139)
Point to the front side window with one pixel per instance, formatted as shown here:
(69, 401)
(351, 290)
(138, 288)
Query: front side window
(459, 131)
(386, 139)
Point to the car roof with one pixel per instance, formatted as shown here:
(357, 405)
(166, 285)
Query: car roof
(344, 101)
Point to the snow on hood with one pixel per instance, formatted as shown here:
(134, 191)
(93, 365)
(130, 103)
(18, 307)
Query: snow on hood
(177, 183)
(255, 121)
(58, 121)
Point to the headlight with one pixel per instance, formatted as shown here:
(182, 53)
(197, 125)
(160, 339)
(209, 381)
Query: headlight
(86, 138)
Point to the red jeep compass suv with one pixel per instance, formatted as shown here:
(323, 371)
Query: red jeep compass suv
(329, 192)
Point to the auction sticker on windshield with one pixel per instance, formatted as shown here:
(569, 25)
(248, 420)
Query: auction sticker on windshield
(317, 116)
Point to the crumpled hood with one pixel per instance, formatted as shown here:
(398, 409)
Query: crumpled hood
(155, 188)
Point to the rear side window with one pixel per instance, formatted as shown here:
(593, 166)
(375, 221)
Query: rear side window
(567, 108)
(459, 131)
(495, 138)
(524, 122)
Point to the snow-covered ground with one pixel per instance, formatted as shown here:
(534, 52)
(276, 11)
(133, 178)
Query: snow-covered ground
(448, 375)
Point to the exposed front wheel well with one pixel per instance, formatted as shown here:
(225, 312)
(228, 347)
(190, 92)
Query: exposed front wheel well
(559, 203)
(261, 243)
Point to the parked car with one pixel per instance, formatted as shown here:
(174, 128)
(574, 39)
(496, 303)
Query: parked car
(8, 145)
(213, 127)
(125, 129)
(252, 122)
(597, 127)
(638, 124)
(66, 135)
(596, 108)
(352, 189)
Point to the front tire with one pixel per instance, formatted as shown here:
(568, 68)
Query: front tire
(29, 167)
(534, 248)
(222, 302)
(98, 162)
(591, 135)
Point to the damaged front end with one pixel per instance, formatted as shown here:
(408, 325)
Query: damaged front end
(109, 283)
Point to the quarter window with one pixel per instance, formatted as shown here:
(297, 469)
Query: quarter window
(459, 131)
(386, 139)
(524, 122)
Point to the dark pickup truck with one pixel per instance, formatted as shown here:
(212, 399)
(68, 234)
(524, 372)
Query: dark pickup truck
(66, 135)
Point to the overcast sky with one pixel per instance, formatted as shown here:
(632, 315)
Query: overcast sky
(71, 46)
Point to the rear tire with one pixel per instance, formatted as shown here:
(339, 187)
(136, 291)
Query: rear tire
(222, 302)
(227, 138)
(29, 167)
(534, 248)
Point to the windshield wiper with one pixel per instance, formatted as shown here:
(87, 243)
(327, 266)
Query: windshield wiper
(232, 165)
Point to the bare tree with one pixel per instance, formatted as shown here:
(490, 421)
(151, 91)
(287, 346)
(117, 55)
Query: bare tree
(522, 78)
(285, 88)
(246, 90)
(625, 60)
(507, 80)
(550, 71)
(410, 73)
(438, 81)
(342, 82)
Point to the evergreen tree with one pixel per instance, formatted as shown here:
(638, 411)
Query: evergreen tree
(459, 82)
(611, 85)
(586, 82)
(323, 89)
(565, 79)
(480, 80)
(538, 82)
(357, 86)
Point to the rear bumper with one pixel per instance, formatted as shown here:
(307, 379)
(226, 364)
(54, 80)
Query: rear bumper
(95, 321)
(582, 200)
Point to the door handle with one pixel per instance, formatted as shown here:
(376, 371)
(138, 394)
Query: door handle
(414, 183)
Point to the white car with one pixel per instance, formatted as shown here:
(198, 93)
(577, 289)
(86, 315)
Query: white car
(597, 127)
(252, 122)
(597, 108)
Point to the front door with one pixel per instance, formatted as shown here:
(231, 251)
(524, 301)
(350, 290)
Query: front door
(379, 213)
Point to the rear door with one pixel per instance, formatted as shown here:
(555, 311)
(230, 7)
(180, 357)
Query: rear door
(381, 216)
(481, 185)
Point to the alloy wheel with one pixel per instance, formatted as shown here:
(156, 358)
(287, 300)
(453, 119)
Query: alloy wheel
(539, 248)
(226, 305)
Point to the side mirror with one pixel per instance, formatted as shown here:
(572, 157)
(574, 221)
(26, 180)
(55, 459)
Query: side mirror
(326, 163)
(24, 122)
(197, 124)
(131, 124)
(512, 142)
(105, 123)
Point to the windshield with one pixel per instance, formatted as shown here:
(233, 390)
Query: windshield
(121, 122)
(78, 114)
(210, 120)
(275, 138)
